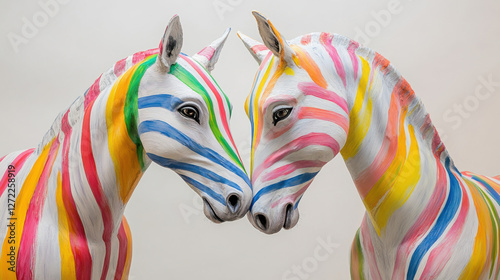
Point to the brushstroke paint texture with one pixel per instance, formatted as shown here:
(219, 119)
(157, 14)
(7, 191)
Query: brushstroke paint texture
(419, 206)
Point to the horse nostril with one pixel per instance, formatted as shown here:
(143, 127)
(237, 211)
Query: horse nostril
(261, 221)
(233, 202)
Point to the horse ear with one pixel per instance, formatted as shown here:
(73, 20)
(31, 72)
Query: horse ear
(273, 40)
(256, 48)
(209, 55)
(171, 44)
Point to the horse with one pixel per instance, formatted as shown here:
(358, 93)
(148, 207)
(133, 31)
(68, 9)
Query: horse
(322, 94)
(66, 198)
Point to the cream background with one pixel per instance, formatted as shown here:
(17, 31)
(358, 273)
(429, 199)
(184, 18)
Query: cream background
(441, 47)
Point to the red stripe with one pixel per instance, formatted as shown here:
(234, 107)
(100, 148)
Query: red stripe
(26, 256)
(18, 164)
(122, 253)
(77, 238)
(96, 187)
(217, 96)
(320, 114)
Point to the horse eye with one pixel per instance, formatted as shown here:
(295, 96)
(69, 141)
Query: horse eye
(190, 112)
(281, 114)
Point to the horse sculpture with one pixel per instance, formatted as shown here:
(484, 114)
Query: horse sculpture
(66, 198)
(321, 94)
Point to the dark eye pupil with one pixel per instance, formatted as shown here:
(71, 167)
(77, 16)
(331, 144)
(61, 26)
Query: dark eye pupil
(281, 114)
(190, 112)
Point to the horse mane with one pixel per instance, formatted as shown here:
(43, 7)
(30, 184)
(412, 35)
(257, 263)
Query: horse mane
(105, 80)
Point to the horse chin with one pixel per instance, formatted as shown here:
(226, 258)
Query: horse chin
(210, 213)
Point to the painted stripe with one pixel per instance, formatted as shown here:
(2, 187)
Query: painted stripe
(66, 253)
(25, 261)
(92, 176)
(288, 183)
(203, 172)
(18, 163)
(326, 41)
(218, 197)
(187, 78)
(169, 131)
(165, 101)
(444, 218)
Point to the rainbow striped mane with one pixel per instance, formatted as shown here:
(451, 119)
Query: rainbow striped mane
(322, 94)
(66, 198)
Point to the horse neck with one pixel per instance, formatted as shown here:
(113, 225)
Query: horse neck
(393, 151)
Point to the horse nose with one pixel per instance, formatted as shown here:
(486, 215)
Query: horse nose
(261, 221)
(233, 203)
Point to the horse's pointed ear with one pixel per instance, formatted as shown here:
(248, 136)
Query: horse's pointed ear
(256, 48)
(273, 40)
(171, 44)
(209, 55)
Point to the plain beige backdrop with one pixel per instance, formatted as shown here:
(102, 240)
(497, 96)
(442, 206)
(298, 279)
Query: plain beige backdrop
(449, 51)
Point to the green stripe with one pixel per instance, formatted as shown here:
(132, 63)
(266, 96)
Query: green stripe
(131, 110)
(187, 78)
(361, 258)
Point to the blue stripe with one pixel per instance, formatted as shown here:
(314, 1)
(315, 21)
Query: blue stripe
(169, 131)
(166, 101)
(204, 189)
(447, 214)
(294, 181)
(491, 191)
(173, 164)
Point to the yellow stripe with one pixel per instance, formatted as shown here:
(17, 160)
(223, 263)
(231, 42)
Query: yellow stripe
(481, 246)
(121, 147)
(386, 182)
(67, 258)
(403, 186)
(22, 204)
(128, 260)
(256, 110)
(359, 121)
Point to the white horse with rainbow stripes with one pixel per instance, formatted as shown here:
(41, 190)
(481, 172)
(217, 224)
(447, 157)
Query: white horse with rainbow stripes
(322, 94)
(66, 198)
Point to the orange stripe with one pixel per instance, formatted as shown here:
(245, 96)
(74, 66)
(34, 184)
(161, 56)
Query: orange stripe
(307, 63)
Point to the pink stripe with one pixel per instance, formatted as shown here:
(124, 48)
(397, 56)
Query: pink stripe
(140, 56)
(259, 48)
(26, 257)
(77, 238)
(96, 187)
(217, 94)
(93, 92)
(321, 139)
(352, 53)
(319, 114)
(306, 39)
(370, 251)
(207, 52)
(423, 223)
(291, 198)
(291, 167)
(311, 88)
(18, 164)
(440, 255)
(120, 67)
(326, 40)
(2, 158)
